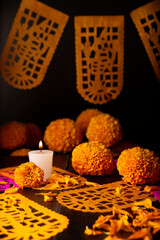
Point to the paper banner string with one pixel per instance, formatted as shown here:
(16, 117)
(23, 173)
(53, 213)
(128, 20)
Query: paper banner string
(101, 199)
(32, 41)
(147, 22)
(27, 219)
(99, 42)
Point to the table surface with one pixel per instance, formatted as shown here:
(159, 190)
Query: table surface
(77, 220)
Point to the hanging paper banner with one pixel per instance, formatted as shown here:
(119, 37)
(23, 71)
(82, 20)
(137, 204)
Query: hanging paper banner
(99, 42)
(147, 22)
(31, 44)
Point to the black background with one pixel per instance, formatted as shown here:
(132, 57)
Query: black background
(137, 107)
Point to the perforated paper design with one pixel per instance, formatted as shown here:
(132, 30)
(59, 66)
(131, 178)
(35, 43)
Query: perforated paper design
(31, 44)
(147, 22)
(28, 220)
(101, 199)
(9, 172)
(8, 183)
(99, 57)
(61, 185)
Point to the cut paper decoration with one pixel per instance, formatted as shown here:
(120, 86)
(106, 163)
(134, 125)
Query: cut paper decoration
(31, 44)
(9, 183)
(99, 45)
(147, 22)
(27, 219)
(50, 185)
(103, 198)
(62, 179)
(8, 172)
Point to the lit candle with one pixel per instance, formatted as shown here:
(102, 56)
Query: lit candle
(43, 159)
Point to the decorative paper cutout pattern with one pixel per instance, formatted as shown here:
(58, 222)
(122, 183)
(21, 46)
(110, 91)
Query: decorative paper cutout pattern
(147, 22)
(49, 186)
(99, 57)
(31, 44)
(9, 172)
(101, 199)
(28, 220)
(10, 182)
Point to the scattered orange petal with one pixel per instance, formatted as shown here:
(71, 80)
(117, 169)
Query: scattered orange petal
(48, 199)
(119, 190)
(147, 203)
(73, 181)
(11, 190)
(89, 232)
(147, 189)
(91, 184)
(144, 232)
(121, 211)
(3, 182)
(154, 225)
(150, 188)
(101, 222)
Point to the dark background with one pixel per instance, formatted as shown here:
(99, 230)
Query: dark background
(137, 107)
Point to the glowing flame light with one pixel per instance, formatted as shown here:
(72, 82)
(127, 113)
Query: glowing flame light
(40, 145)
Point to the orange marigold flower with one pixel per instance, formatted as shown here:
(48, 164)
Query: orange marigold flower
(92, 158)
(34, 134)
(28, 175)
(139, 166)
(12, 135)
(62, 135)
(105, 129)
(85, 116)
(23, 152)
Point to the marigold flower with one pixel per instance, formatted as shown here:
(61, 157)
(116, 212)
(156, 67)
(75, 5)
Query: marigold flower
(85, 116)
(105, 129)
(28, 175)
(34, 135)
(23, 152)
(62, 135)
(12, 135)
(139, 166)
(92, 158)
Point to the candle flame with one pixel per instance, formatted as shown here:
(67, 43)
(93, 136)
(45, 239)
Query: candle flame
(40, 145)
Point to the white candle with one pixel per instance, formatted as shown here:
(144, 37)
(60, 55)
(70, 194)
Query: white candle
(44, 160)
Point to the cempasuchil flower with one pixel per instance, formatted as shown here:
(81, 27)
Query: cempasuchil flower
(62, 135)
(13, 135)
(85, 116)
(28, 175)
(105, 129)
(139, 166)
(92, 158)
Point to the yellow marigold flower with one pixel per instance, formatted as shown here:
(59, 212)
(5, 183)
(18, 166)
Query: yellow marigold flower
(23, 152)
(34, 135)
(139, 166)
(92, 158)
(28, 175)
(12, 135)
(85, 116)
(62, 135)
(105, 129)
